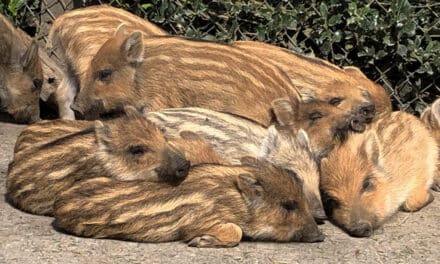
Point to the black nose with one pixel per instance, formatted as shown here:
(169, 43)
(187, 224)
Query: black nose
(368, 112)
(361, 229)
(357, 124)
(183, 169)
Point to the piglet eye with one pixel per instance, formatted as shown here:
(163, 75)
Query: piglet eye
(138, 150)
(329, 203)
(368, 184)
(290, 205)
(104, 75)
(315, 116)
(335, 101)
(36, 84)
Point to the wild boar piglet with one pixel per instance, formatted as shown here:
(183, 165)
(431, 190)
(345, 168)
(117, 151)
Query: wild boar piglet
(76, 37)
(168, 72)
(21, 75)
(233, 137)
(347, 89)
(215, 206)
(369, 177)
(128, 148)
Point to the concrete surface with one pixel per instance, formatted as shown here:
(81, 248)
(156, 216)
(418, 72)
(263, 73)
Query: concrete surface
(25, 238)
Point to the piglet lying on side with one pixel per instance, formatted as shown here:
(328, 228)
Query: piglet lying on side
(128, 148)
(215, 206)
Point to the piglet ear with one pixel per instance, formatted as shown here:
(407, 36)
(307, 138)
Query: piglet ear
(133, 48)
(435, 109)
(250, 188)
(30, 58)
(284, 111)
(121, 30)
(431, 115)
(103, 134)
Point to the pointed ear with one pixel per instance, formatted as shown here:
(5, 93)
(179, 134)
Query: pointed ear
(285, 111)
(270, 142)
(121, 30)
(435, 114)
(103, 134)
(133, 48)
(249, 161)
(354, 71)
(249, 187)
(370, 147)
(426, 116)
(189, 135)
(30, 58)
(303, 140)
(132, 112)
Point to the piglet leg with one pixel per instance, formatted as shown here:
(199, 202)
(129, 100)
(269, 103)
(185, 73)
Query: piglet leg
(221, 235)
(418, 198)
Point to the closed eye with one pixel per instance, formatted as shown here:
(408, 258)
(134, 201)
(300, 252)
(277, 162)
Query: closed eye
(335, 101)
(138, 150)
(290, 205)
(104, 75)
(315, 116)
(36, 84)
(330, 203)
(368, 184)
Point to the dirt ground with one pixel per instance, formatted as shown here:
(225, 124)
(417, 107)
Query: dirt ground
(25, 238)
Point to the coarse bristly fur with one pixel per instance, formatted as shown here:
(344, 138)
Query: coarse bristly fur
(347, 89)
(431, 118)
(215, 206)
(128, 148)
(169, 72)
(233, 137)
(21, 74)
(367, 179)
(77, 36)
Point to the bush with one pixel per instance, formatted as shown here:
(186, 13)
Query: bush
(394, 42)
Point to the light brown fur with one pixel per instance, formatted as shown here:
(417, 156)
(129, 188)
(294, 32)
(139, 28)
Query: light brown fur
(233, 137)
(77, 36)
(21, 74)
(168, 72)
(214, 207)
(372, 175)
(40, 171)
(348, 89)
(431, 118)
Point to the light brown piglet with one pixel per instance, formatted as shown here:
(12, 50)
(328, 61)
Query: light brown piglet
(368, 178)
(431, 118)
(128, 148)
(214, 207)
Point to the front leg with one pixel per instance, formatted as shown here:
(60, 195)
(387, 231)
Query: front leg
(220, 235)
